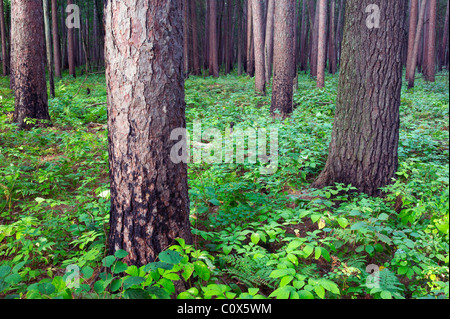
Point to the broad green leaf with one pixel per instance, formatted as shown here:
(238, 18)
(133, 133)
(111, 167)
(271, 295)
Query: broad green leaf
(132, 281)
(255, 237)
(170, 256)
(319, 291)
(308, 250)
(120, 254)
(317, 252)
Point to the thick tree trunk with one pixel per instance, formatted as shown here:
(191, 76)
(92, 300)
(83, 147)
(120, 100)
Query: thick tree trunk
(282, 89)
(213, 45)
(3, 35)
(322, 44)
(71, 47)
(412, 67)
(364, 145)
(30, 87)
(48, 45)
(195, 55)
(258, 30)
(149, 192)
(240, 38)
(412, 33)
(268, 53)
(430, 56)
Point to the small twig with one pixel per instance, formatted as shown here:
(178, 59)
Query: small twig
(96, 104)
(85, 79)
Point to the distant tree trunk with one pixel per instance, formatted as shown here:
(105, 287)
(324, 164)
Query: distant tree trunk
(444, 45)
(315, 41)
(48, 45)
(213, 45)
(322, 44)
(149, 191)
(332, 39)
(71, 47)
(186, 39)
(303, 39)
(340, 24)
(429, 74)
(30, 87)
(55, 38)
(240, 39)
(195, 54)
(282, 89)
(364, 144)
(3, 34)
(294, 50)
(250, 42)
(412, 67)
(412, 33)
(268, 53)
(258, 30)
(206, 54)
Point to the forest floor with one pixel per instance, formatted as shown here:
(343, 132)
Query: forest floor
(256, 236)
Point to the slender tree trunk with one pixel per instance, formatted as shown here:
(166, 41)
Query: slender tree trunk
(282, 89)
(315, 42)
(303, 39)
(258, 30)
(206, 62)
(3, 34)
(332, 39)
(30, 87)
(322, 44)
(240, 38)
(340, 27)
(295, 51)
(195, 54)
(56, 44)
(149, 191)
(48, 45)
(411, 33)
(213, 45)
(444, 45)
(71, 47)
(186, 39)
(250, 42)
(429, 73)
(412, 67)
(268, 53)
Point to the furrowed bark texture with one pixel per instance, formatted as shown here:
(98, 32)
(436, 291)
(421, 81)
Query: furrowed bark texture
(145, 83)
(30, 87)
(282, 88)
(364, 146)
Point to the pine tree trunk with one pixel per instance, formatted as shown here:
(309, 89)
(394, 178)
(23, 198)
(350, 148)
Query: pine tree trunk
(282, 89)
(444, 45)
(364, 145)
(322, 44)
(30, 87)
(195, 54)
(240, 39)
(430, 56)
(268, 52)
(186, 39)
(412, 67)
(258, 30)
(3, 35)
(56, 44)
(411, 34)
(149, 192)
(303, 39)
(213, 45)
(71, 47)
(315, 42)
(250, 42)
(332, 39)
(48, 45)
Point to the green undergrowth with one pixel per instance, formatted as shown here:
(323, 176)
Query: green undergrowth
(255, 235)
